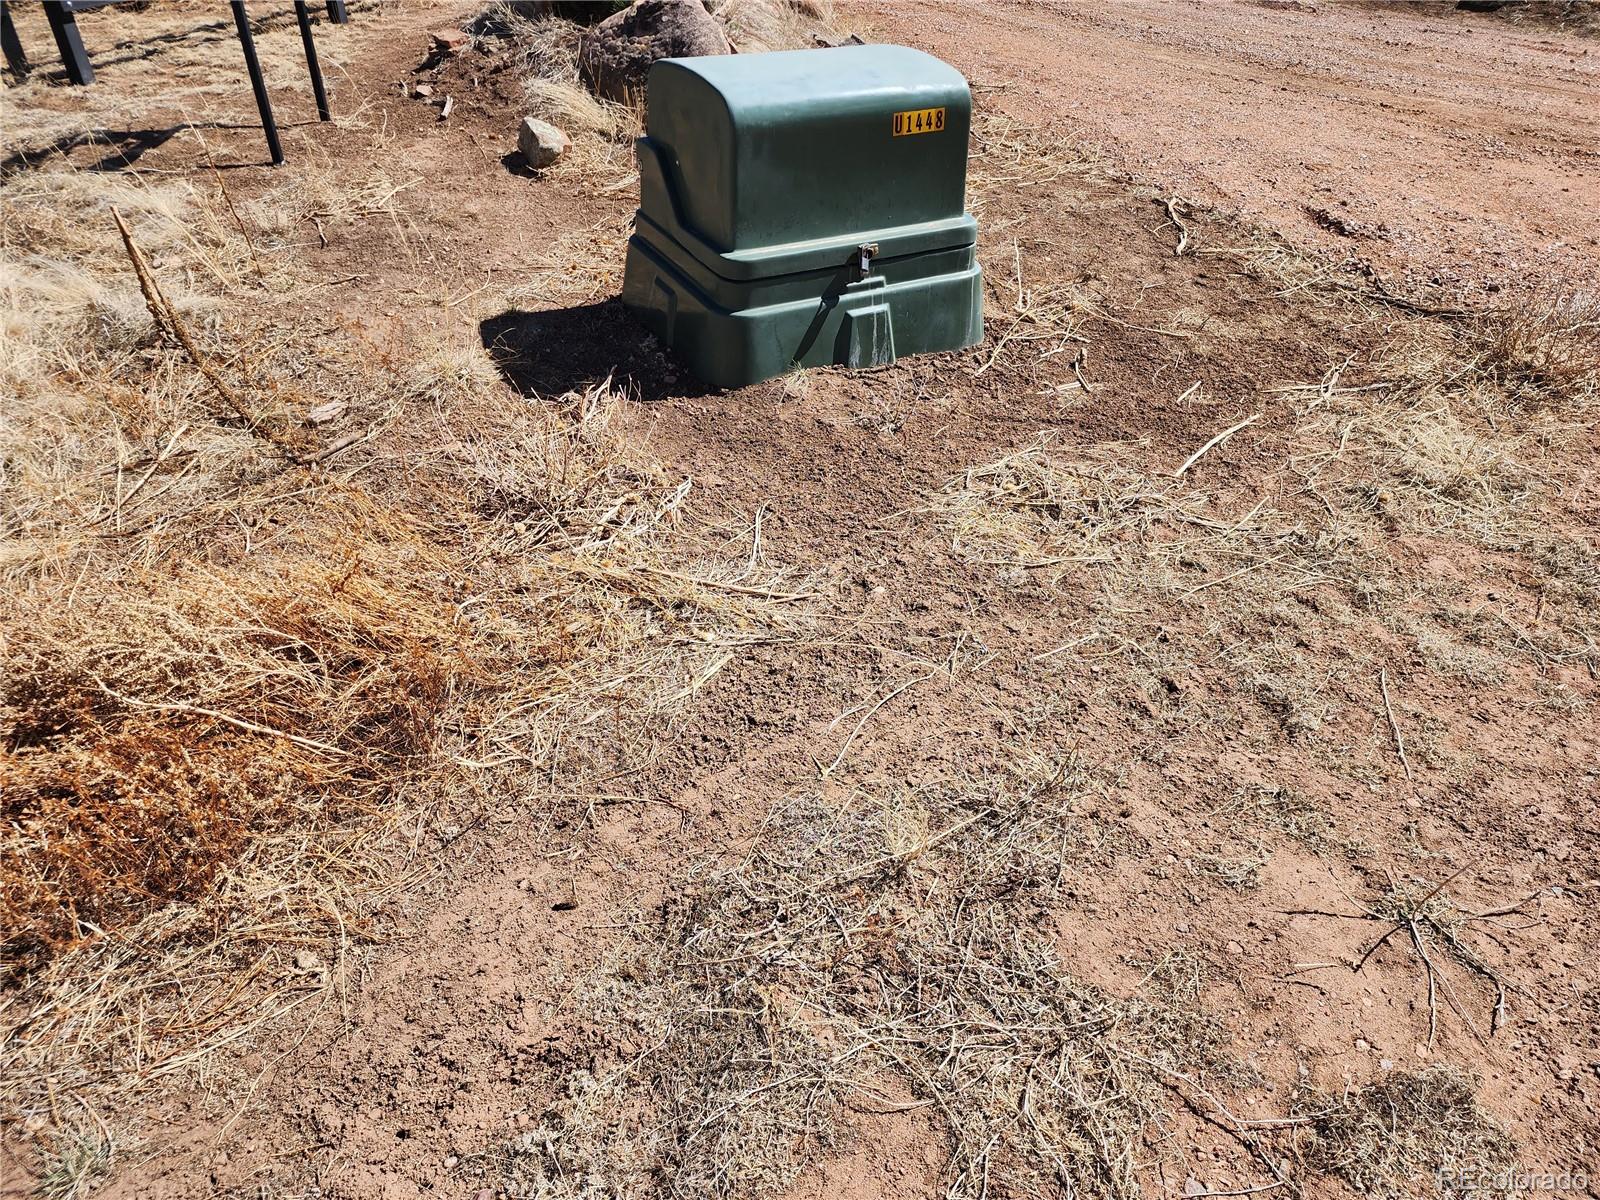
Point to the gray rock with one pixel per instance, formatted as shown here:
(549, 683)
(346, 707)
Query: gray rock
(541, 143)
(615, 56)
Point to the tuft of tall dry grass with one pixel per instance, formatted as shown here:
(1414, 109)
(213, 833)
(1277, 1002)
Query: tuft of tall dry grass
(68, 303)
(544, 51)
(1545, 343)
(754, 26)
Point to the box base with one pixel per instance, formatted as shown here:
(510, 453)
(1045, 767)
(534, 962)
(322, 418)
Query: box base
(867, 323)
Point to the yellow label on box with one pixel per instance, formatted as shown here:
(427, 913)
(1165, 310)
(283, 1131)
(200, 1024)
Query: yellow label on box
(918, 120)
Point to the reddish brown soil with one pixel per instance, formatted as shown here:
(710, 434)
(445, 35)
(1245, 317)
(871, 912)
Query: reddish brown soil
(458, 1039)
(1446, 148)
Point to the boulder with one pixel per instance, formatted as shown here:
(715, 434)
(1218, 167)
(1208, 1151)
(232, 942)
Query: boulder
(541, 143)
(615, 55)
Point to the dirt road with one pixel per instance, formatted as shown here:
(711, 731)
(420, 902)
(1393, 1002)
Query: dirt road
(1449, 149)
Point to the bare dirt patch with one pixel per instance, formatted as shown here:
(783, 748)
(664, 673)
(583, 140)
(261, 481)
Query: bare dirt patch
(1448, 149)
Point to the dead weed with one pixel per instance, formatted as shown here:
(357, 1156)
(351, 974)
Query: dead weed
(867, 954)
(1406, 1134)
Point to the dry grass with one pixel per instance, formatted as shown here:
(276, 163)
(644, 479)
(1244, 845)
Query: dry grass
(754, 26)
(1545, 345)
(1427, 440)
(579, 267)
(251, 699)
(74, 1160)
(1141, 553)
(870, 953)
(1403, 1135)
(65, 287)
(182, 41)
(148, 742)
(206, 768)
(1282, 811)
(545, 55)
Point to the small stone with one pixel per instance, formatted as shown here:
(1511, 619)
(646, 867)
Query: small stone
(1234, 948)
(450, 1160)
(1363, 1045)
(1182, 927)
(540, 142)
(449, 41)
(424, 89)
(305, 960)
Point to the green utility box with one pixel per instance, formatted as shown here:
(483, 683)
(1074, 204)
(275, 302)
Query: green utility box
(804, 207)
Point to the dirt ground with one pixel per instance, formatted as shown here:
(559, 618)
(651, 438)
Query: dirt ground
(1448, 150)
(1451, 155)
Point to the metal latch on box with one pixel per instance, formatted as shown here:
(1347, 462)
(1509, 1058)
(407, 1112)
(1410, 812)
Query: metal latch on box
(866, 252)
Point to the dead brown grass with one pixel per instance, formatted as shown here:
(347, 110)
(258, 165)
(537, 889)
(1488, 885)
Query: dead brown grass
(147, 743)
(1410, 1133)
(177, 40)
(250, 698)
(873, 953)
(1545, 346)
(755, 26)
(544, 52)
(1436, 438)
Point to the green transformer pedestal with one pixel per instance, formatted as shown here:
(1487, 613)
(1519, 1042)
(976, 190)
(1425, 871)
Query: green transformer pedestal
(804, 208)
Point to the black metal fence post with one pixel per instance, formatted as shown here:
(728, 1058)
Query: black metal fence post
(16, 56)
(259, 85)
(302, 14)
(73, 56)
(337, 13)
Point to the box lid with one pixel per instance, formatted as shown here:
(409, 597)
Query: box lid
(770, 163)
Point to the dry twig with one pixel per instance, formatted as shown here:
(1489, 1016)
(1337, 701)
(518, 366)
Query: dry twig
(1172, 203)
(1216, 441)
